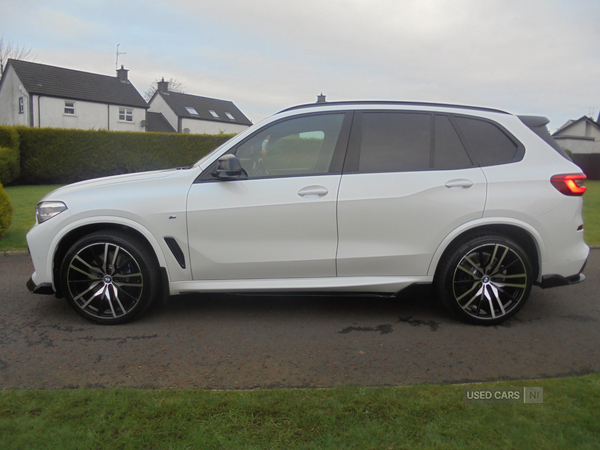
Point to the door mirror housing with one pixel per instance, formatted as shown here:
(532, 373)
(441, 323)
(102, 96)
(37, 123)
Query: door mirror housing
(228, 167)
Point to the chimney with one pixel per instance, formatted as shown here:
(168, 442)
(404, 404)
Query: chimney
(163, 86)
(122, 74)
(321, 98)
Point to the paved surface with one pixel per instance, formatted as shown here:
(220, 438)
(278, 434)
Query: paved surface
(227, 342)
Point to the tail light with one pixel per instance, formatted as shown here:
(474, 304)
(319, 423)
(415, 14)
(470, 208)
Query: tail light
(571, 184)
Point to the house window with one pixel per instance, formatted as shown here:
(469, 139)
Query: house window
(191, 110)
(69, 108)
(214, 114)
(126, 114)
(229, 116)
(21, 105)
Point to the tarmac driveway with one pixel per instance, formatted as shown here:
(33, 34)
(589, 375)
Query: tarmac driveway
(233, 342)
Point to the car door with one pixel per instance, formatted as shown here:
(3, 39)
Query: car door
(278, 220)
(407, 183)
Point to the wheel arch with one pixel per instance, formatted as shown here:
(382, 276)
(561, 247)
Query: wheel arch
(67, 239)
(524, 235)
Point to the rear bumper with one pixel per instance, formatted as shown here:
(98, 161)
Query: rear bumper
(42, 288)
(550, 281)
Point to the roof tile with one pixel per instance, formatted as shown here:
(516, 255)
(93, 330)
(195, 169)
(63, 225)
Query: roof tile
(52, 81)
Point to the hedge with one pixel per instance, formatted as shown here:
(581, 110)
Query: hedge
(61, 156)
(6, 211)
(10, 167)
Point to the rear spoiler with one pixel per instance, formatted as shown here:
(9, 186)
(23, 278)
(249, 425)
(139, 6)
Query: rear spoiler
(537, 124)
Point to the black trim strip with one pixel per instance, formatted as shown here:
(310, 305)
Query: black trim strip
(176, 250)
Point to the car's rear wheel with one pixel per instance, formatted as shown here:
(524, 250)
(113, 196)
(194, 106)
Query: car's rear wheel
(485, 280)
(109, 277)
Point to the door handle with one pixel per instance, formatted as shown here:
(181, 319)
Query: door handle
(459, 184)
(313, 191)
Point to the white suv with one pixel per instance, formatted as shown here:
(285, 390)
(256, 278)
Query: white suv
(354, 197)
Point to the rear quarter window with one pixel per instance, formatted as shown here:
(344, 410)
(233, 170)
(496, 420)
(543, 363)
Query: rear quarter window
(488, 143)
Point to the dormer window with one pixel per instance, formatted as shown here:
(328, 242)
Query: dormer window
(191, 110)
(229, 116)
(70, 108)
(214, 114)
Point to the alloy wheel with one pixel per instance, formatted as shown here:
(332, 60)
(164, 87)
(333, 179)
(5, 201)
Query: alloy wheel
(490, 281)
(105, 281)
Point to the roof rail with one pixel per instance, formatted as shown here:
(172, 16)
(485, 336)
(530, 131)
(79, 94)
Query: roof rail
(387, 102)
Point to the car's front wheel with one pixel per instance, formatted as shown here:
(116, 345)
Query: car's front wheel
(109, 277)
(485, 279)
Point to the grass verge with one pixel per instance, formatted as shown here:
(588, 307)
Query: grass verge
(591, 213)
(23, 200)
(348, 417)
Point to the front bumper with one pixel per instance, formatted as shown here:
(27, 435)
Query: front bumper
(42, 288)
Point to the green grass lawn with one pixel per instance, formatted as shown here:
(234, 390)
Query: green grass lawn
(413, 417)
(591, 213)
(23, 200)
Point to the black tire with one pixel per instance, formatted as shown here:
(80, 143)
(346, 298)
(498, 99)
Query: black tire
(484, 280)
(110, 277)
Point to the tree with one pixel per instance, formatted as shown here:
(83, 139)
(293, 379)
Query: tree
(11, 51)
(174, 86)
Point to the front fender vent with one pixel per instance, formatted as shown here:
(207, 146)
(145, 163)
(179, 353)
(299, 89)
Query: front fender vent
(176, 250)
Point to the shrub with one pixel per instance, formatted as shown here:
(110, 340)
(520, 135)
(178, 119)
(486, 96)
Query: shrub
(59, 156)
(10, 166)
(6, 211)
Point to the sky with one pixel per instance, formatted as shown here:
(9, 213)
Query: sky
(535, 57)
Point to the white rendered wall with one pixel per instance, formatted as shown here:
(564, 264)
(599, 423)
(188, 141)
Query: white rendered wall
(209, 127)
(50, 112)
(579, 146)
(9, 100)
(158, 105)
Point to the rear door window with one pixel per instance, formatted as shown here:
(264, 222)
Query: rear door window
(395, 142)
(405, 142)
(449, 151)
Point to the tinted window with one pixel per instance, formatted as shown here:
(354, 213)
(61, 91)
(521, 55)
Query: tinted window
(298, 146)
(489, 144)
(395, 142)
(449, 150)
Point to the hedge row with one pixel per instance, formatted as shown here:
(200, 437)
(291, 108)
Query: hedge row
(9, 172)
(6, 211)
(10, 167)
(60, 156)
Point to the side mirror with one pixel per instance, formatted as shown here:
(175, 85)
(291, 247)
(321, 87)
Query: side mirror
(228, 167)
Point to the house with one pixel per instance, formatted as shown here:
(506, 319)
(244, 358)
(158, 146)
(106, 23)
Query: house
(193, 114)
(38, 95)
(582, 139)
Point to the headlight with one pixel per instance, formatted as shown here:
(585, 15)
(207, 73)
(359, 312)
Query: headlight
(47, 210)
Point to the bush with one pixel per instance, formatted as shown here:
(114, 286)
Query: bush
(10, 165)
(60, 156)
(6, 211)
